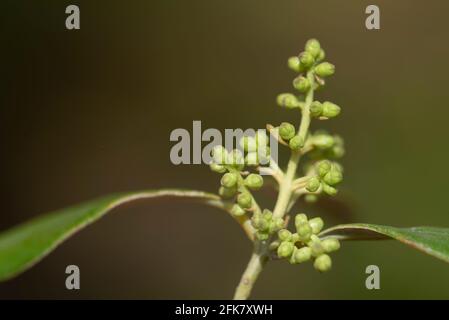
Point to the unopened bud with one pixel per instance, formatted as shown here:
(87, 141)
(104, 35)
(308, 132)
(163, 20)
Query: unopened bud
(313, 184)
(217, 167)
(321, 56)
(296, 143)
(333, 177)
(244, 200)
(323, 263)
(316, 224)
(301, 84)
(323, 141)
(330, 110)
(285, 249)
(227, 192)
(313, 47)
(324, 69)
(288, 100)
(300, 218)
(229, 180)
(286, 131)
(284, 235)
(293, 63)
(323, 167)
(329, 189)
(330, 245)
(254, 181)
(316, 109)
(237, 210)
(306, 60)
(303, 254)
(304, 231)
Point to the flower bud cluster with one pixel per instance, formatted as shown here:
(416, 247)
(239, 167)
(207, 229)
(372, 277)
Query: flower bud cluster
(305, 245)
(312, 71)
(266, 224)
(233, 184)
(328, 175)
(326, 146)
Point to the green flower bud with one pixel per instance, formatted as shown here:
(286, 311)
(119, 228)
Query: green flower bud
(313, 184)
(313, 47)
(219, 154)
(229, 180)
(333, 177)
(330, 245)
(310, 198)
(278, 223)
(329, 189)
(296, 143)
(227, 192)
(324, 69)
(295, 238)
(316, 246)
(330, 110)
(301, 84)
(256, 220)
(217, 167)
(323, 167)
(235, 159)
(293, 63)
(237, 210)
(285, 249)
(254, 181)
(288, 100)
(323, 263)
(338, 151)
(259, 222)
(316, 109)
(244, 200)
(286, 131)
(252, 159)
(300, 218)
(323, 141)
(316, 224)
(321, 56)
(262, 235)
(306, 60)
(284, 235)
(291, 260)
(274, 226)
(303, 254)
(267, 214)
(304, 231)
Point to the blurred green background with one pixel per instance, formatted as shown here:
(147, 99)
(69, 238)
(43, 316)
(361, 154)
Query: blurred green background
(89, 112)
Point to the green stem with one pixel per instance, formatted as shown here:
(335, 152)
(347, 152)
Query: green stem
(249, 277)
(261, 250)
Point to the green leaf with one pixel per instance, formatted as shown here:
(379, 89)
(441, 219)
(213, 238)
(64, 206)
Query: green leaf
(26, 244)
(431, 240)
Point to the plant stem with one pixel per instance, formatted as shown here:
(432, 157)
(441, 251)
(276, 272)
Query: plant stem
(285, 189)
(252, 271)
(261, 250)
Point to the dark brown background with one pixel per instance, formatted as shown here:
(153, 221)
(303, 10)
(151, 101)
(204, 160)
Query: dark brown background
(89, 112)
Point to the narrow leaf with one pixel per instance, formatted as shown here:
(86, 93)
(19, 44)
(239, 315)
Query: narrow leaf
(431, 240)
(24, 245)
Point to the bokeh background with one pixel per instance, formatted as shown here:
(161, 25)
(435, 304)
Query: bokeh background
(89, 112)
